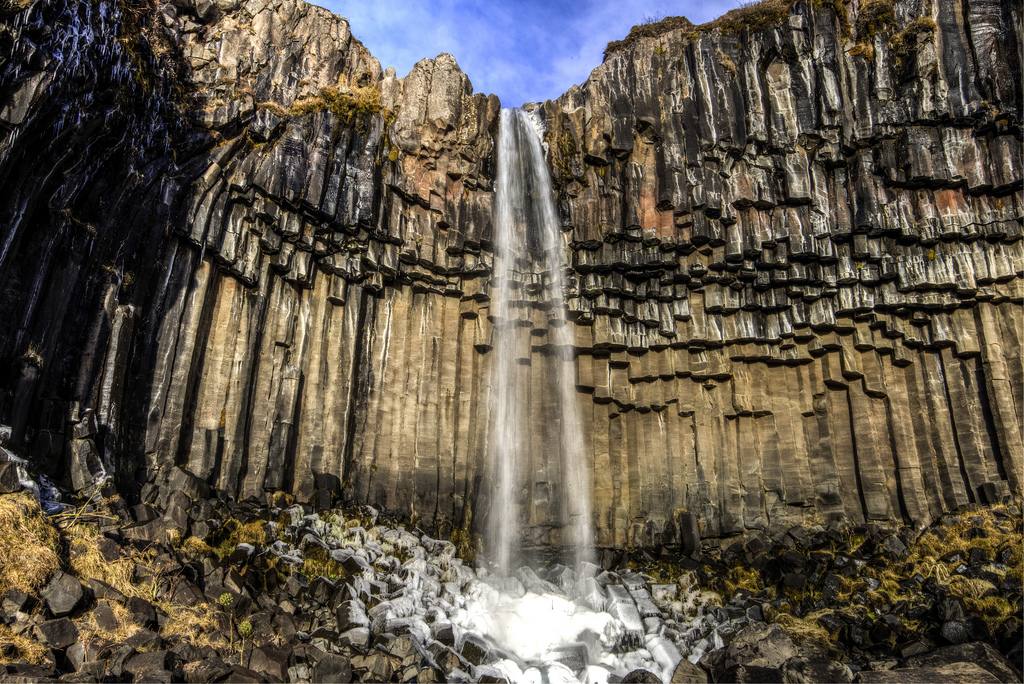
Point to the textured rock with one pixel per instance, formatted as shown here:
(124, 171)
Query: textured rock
(230, 243)
(62, 594)
(954, 672)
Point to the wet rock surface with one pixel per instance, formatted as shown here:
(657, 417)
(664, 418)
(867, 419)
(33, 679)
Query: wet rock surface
(229, 241)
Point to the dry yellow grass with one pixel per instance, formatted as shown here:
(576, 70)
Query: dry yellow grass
(806, 628)
(29, 544)
(17, 648)
(88, 563)
(194, 547)
(958, 538)
(126, 627)
(199, 625)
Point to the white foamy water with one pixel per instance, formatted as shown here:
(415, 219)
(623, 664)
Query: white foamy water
(539, 633)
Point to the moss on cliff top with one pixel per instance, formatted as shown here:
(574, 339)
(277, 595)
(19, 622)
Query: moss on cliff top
(351, 104)
(765, 13)
(651, 29)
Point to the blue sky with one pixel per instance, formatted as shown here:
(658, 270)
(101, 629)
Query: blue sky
(521, 51)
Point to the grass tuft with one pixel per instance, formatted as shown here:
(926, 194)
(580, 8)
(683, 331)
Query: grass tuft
(88, 563)
(29, 544)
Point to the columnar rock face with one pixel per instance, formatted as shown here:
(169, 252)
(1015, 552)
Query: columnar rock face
(798, 265)
(229, 242)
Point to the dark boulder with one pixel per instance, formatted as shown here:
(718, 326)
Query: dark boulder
(807, 670)
(143, 665)
(58, 633)
(271, 661)
(752, 674)
(332, 668)
(104, 616)
(474, 650)
(63, 594)
(954, 673)
(143, 612)
(9, 481)
(209, 670)
(979, 653)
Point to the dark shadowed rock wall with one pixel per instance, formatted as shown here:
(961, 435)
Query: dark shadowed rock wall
(230, 243)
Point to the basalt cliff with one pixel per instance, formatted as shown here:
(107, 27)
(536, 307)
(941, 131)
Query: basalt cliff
(231, 244)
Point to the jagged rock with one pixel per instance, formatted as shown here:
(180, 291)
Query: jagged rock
(473, 649)
(13, 601)
(63, 594)
(209, 670)
(143, 612)
(9, 480)
(754, 646)
(58, 633)
(332, 668)
(981, 654)
(688, 673)
(149, 664)
(271, 661)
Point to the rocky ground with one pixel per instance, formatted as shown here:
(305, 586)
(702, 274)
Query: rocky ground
(197, 588)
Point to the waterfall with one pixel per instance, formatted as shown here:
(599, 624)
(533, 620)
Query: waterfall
(527, 240)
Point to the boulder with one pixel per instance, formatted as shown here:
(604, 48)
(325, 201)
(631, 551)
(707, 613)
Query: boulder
(58, 633)
(271, 661)
(104, 616)
(474, 649)
(63, 594)
(756, 645)
(13, 601)
(146, 665)
(208, 670)
(332, 668)
(979, 653)
(808, 670)
(752, 674)
(9, 480)
(689, 673)
(143, 612)
(952, 673)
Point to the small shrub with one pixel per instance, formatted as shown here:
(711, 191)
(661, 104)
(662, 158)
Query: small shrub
(727, 63)
(235, 532)
(33, 356)
(904, 44)
(865, 50)
(648, 29)
(350, 105)
(752, 16)
(874, 18)
(318, 563)
(194, 547)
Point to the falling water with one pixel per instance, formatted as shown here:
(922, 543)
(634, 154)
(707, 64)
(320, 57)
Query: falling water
(527, 238)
